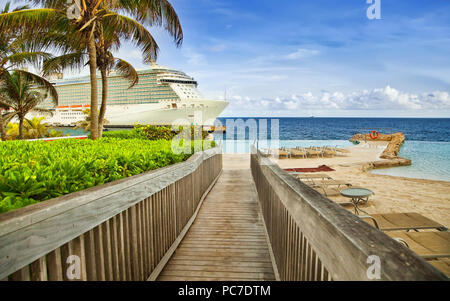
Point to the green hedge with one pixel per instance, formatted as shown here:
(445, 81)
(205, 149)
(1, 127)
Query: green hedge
(31, 172)
(122, 134)
(151, 132)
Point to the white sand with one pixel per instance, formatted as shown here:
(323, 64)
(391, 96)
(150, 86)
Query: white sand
(392, 194)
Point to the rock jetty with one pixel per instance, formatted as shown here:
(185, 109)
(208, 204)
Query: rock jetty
(390, 154)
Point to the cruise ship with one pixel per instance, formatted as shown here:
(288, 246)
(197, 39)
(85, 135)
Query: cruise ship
(162, 96)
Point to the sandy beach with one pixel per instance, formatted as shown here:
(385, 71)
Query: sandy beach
(392, 194)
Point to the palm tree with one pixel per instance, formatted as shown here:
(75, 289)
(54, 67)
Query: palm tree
(33, 129)
(36, 128)
(86, 123)
(106, 62)
(93, 16)
(15, 52)
(23, 92)
(2, 124)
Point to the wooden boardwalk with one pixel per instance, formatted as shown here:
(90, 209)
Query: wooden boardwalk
(227, 240)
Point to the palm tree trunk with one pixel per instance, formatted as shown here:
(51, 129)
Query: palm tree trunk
(94, 101)
(2, 128)
(101, 116)
(21, 127)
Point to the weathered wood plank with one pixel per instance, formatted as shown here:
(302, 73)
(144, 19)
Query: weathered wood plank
(54, 265)
(227, 240)
(28, 229)
(328, 233)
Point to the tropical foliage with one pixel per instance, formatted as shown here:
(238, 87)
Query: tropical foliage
(152, 132)
(23, 92)
(96, 22)
(16, 52)
(86, 123)
(34, 128)
(31, 172)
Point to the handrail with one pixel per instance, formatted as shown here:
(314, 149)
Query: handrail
(120, 231)
(313, 238)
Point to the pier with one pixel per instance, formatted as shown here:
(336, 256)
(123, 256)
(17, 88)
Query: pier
(228, 239)
(213, 217)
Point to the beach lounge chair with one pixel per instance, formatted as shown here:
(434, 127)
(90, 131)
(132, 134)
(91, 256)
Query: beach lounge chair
(330, 182)
(402, 221)
(279, 153)
(302, 176)
(314, 152)
(442, 264)
(429, 245)
(297, 152)
(329, 152)
(327, 191)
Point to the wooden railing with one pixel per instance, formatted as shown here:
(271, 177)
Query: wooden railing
(313, 238)
(125, 230)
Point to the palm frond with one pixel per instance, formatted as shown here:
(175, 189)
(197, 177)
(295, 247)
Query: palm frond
(33, 20)
(72, 61)
(42, 82)
(127, 70)
(155, 13)
(32, 58)
(130, 29)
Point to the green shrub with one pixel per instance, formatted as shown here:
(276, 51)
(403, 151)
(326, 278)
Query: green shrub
(31, 172)
(151, 132)
(123, 134)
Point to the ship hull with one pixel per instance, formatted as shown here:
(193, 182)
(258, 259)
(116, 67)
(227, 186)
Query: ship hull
(179, 113)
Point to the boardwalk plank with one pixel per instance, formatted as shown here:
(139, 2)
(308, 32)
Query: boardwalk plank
(227, 241)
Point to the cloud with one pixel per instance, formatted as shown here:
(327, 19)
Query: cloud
(387, 98)
(193, 57)
(301, 54)
(218, 48)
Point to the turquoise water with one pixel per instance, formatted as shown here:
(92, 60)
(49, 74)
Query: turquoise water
(243, 146)
(430, 160)
(72, 132)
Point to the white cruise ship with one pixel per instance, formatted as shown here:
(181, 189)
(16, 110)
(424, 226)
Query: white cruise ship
(163, 96)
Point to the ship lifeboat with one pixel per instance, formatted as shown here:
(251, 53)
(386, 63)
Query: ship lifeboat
(75, 107)
(63, 107)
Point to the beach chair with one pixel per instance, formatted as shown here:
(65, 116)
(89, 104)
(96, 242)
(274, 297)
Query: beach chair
(297, 152)
(279, 153)
(331, 182)
(314, 152)
(284, 153)
(303, 176)
(442, 264)
(329, 152)
(326, 191)
(402, 221)
(429, 245)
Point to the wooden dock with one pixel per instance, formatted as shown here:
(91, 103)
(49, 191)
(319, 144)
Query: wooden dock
(213, 217)
(228, 240)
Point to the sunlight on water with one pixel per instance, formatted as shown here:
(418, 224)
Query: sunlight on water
(430, 160)
(243, 146)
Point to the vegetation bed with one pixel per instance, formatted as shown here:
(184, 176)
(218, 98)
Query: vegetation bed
(31, 172)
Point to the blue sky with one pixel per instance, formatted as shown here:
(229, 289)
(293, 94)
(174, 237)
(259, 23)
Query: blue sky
(321, 57)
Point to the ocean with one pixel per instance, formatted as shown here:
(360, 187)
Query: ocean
(415, 129)
(427, 140)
